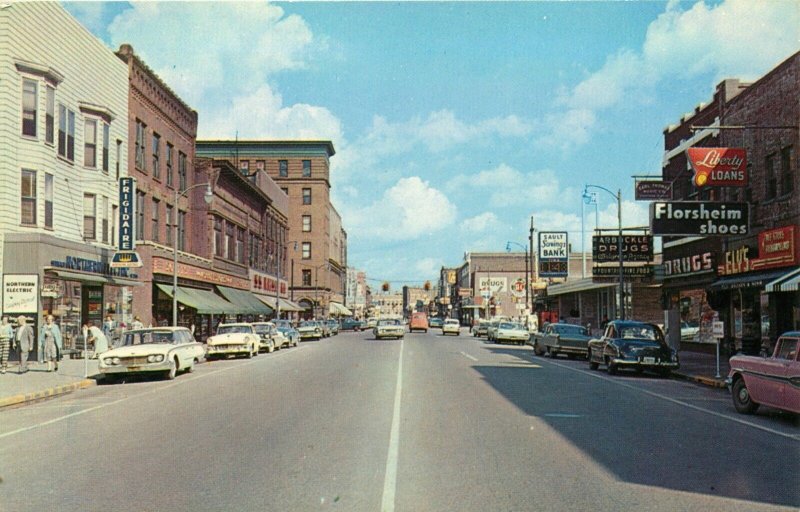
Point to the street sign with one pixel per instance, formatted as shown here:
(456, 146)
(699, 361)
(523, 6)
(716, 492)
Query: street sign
(718, 329)
(126, 259)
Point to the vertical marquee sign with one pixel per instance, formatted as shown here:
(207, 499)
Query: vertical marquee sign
(126, 255)
(553, 254)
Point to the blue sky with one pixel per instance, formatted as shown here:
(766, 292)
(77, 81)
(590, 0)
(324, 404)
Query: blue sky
(455, 122)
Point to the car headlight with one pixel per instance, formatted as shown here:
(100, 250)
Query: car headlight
(115, 360)
(108, 361)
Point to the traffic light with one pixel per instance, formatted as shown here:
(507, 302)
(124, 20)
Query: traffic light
(427, 286)
(385, 286)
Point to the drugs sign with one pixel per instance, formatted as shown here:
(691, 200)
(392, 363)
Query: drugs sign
(634, 248)
(699, 218)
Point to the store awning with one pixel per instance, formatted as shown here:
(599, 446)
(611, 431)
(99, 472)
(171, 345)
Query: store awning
(287, 305)
(269, 301)
(204, 301)
(86, 277)
(247, 303)
(788, 282)
(749, 280)
(579, 285)
(337, 309)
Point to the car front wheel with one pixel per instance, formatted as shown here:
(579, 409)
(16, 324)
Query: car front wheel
(741, 398)
(592, 365)
(173, 370)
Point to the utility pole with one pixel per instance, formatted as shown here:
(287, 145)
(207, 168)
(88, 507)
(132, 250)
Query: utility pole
(530, 252)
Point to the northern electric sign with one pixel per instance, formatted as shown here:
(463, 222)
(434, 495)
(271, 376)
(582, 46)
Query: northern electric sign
(699, 218)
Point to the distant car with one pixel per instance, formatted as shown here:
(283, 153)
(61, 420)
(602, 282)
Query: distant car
(389, 328)
(491, 330)
(267, 334)
(562, 339)
(351, 324)
(689, 332)
(512, 332)
(309, 330)
(435, 321)
(770, 381)
(234, 340)
(419, 322)
(451, 326)
(371, 323)
(480, 329)
(165, 350)
(333, 327)
(291, 334)
(631, 344)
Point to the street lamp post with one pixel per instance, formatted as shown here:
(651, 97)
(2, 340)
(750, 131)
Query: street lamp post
(587, 199)
(527, 283)
(207, 197)
(316, 287)
(618, 197)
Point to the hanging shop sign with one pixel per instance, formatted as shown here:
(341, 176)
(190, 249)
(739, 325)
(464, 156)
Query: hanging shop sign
(699, 218)
(20, 293)
(638, 248)
(553, 254)
(451, 277)
(652, 190)
(126, 259)
(726, 167)
(127, 214)
(611, 271)
(776, 249)
(688, 265)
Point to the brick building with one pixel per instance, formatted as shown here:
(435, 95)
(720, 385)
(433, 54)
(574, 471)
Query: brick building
(316, 241)
(749, 282)
(417, 298)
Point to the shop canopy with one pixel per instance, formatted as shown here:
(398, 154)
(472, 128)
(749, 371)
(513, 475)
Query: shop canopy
(788, 282)
(337, 309)
(204, 301)
(246, 302)
(749, 280)
(287, 305)
(579, 285)
(86, 277)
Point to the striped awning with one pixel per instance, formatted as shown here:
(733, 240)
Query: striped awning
(788, 282)
(338, 310)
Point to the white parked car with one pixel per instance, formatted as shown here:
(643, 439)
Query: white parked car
(389, 328)
(268, 336)
(233, 340)
(451, 326)
(689, 332)
(513, 332)
(165, 350)
(310, 330)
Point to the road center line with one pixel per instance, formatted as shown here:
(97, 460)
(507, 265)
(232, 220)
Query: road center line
(390, 479)
(676, 401)
(469, 356)
(139, 395)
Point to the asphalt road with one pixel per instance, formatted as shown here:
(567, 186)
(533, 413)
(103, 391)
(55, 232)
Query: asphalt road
(429, 423)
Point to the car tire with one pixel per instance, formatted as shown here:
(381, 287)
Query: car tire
(190, 369)
(537, 349)
(173, 370)
(742, 400)
(664, 373)
(611, 368)
(249, 354)
(271, 347)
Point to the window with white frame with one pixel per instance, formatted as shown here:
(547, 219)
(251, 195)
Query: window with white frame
(240, 235)
(139, 160)
(168, 222)
(170, 151)
(50, 116)
(181, 230)
(119, 158)
(66, 133)
(306, 168)
(306, 196)
(230, 241)
(156, 147)
(89, 216)
(90, 143)
(306, 250)
(29, 111)
(156, 220)
(306, 223)
(106, 144)
(48, 201)
(219, 238)
(283, 168)
(182, 177)
(140, 196)
(104, 220)
(28, 198)
(114, 216)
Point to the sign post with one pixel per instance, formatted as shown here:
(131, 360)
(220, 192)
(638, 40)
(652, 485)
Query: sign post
(718, 331)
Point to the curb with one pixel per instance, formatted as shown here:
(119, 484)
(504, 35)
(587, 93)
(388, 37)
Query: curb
(706, 381)
(50, 392)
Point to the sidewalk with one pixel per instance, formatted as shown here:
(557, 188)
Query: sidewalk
(38, 383)
(702, 368)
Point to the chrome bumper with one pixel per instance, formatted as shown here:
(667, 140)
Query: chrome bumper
(658, 364)
(139, 368)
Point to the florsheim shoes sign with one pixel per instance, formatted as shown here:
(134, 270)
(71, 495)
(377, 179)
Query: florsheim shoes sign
(724, 167)
(699, 218)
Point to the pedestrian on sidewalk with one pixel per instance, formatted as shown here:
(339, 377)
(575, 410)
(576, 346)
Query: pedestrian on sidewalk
(6, 335)
(137, 323)
(50, 343)
(24, 342)
(96, 336)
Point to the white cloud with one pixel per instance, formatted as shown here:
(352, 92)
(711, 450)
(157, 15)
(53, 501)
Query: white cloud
(428, 267)
(700, 40)
(90, 14)
(480, 223)
(408, 210)
(506, 186)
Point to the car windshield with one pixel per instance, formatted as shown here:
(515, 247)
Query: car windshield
(506, 325)
(285, 330)
(573, 330)
(308, 323)
(389, 322)
(146, 337)
(234, 329)
(261, 328)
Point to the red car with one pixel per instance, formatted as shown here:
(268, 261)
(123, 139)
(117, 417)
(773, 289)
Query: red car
(772, 381)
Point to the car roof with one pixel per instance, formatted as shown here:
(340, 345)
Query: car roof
(248, 324)
(791, 334)
(161, 329)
